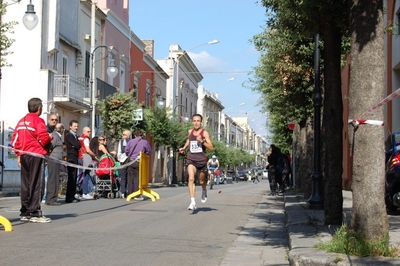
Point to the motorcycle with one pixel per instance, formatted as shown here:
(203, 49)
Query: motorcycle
(392, 173)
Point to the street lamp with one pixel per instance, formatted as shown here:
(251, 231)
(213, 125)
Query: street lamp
(240, 104)
(186, 117)
(216, 84)
(160, 99)
(316, 200)
(30, 19)
(176, 70)
(112, 72)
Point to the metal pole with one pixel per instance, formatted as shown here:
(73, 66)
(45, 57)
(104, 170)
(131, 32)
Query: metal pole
(316, 199)
(92, 79)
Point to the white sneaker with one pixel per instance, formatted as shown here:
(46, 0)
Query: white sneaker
(139, 198)
(87, 196)
(204, 197)
(192, 207)
(40, 220)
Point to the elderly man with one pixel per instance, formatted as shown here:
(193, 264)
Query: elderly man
(51, 123)
(53, 166)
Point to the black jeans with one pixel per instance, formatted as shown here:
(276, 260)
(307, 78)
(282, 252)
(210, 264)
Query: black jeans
(71, 183)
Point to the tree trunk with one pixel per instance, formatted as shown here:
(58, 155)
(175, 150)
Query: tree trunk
(155, 164)
(367, 81)
(332, 125)
(304, 158)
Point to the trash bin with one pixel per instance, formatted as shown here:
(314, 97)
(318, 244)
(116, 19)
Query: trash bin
(229, 180)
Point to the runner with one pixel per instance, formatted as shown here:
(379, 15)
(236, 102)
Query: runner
(198, 141)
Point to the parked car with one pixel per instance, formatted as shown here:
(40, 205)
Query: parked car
(242, 175)
(231, 173)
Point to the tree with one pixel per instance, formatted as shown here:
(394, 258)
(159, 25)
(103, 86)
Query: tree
(369, 216)
(291, 28)
(116, 112)
(5, 41)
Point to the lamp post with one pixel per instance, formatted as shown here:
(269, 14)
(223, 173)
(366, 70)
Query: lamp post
(176, 71)
(316, 199)
(160, 101)
(112, 72)
(185, 120)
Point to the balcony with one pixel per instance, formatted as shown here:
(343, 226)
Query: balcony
(71, 92)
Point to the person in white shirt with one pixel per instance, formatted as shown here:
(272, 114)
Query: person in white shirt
(122, 158)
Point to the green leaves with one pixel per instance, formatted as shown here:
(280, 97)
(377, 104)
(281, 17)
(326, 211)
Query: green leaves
(116, 113)
(6, 28)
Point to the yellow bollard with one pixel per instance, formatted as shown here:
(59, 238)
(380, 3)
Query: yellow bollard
(6, 223)
(144, 190)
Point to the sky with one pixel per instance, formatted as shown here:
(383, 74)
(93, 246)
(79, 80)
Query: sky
(190, 23)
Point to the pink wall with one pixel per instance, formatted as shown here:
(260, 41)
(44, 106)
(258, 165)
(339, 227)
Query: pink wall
(119, 7)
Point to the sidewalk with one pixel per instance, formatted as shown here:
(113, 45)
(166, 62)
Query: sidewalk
(305, 229)
(279, 222)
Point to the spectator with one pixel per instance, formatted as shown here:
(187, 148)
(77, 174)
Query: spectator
(133, 149)
(98, 145)
(122, 158)
(51, 123)
(32, 138)
(73, 146)
(86, 157)
(272, 168)
(53, 182)
(290, 175)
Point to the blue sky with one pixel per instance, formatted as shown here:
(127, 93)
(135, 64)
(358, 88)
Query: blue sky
(190, 23)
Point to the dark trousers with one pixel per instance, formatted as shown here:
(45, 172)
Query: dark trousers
(271, 178)
(53, 182)
(133, 177)
(31, 174)
(71, 184)
(122, 172)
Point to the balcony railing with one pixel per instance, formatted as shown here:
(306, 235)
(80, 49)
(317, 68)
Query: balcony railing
(69, 89)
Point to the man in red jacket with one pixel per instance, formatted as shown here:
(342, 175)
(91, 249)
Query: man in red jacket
(31, 135)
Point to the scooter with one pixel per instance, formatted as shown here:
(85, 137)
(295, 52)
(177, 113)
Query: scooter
(392, 174)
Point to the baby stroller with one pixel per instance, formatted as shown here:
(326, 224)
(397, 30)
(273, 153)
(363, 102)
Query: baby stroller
(106, 182)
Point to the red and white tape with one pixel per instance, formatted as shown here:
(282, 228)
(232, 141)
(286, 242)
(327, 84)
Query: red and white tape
(357, 122)
(64, 162)
(384, 101)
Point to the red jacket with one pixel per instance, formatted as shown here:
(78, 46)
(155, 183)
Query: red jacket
(82, 150)
(29, 131)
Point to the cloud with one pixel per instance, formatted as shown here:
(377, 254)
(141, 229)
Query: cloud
(205, 62)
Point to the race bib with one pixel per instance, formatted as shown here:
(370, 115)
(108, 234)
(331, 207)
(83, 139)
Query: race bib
(195, 147)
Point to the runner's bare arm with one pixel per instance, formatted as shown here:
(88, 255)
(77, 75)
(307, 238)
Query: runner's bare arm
(207, 141)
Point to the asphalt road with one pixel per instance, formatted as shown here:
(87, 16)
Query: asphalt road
(117, 232)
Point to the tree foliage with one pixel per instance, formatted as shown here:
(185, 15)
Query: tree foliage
(6, 28)
(116, 112)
